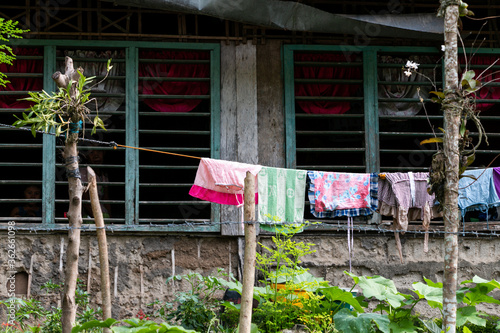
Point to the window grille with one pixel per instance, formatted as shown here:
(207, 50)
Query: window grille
(140, 110)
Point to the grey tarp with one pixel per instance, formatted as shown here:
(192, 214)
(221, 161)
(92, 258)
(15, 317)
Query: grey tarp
(294, 16)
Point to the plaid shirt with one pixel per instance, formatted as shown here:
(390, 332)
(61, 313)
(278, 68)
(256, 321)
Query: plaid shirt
(352, 211)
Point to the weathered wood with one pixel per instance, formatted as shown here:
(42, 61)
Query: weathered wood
(238, 117)
(250, 249)
(30, 278)
(270, 111)
(102, 243)
(75, 190)
(229, 145)
(451, 217)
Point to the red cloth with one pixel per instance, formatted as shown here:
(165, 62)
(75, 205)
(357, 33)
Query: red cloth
(488, 91)
(173, 87)
(21, 84)
(325, 90)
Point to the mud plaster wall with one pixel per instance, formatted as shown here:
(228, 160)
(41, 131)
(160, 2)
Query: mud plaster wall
(153, 254)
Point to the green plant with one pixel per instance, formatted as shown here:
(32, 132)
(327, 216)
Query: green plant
(467, 298)
(59, 110)
(196, 308)
(31, 316)
(290, 294)
(134, 325)
(8, 29)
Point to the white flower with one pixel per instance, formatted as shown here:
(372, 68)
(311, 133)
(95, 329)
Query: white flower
(443, 48)
(407, 72)
(412, 65)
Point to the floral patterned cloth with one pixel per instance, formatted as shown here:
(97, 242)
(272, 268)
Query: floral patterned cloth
(333, 194)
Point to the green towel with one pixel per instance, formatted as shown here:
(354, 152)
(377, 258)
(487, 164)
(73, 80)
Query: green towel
(281, 195)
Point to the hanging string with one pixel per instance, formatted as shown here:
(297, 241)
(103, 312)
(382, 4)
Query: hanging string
(154, 151)
(350, 239)
(113, 144)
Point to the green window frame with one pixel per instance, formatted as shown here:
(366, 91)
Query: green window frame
(377, 153)
(132, 219)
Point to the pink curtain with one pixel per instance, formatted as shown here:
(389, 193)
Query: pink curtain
(159, 70)
(21, 84)
(493, 75)
(325, 90)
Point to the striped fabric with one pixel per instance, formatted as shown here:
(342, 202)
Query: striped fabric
(281, 194)
(346, 212)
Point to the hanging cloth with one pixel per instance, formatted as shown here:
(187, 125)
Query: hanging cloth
(404, 196)
(334, 194)
(476, 191)
(222, 181)
(281, 194)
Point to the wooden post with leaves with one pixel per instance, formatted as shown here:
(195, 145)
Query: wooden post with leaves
(75, 189)
(452, 109)
(65, 111)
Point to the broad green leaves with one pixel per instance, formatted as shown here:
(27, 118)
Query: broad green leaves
(380, 288)
(134, 326)
(433, 295)
(347, 321)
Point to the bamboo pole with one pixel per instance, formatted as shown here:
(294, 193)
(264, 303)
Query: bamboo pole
(249, 260)
(102, 242)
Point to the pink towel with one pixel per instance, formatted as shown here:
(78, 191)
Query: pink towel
(222, 181)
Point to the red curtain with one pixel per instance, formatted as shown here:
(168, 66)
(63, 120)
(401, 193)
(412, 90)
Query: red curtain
(150, 87)
(493, 75)
(325, 90)
(21, 84)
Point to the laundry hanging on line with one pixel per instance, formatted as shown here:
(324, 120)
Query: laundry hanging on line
(335, 194)
(222, 181)
(281, 195)
(404, 196)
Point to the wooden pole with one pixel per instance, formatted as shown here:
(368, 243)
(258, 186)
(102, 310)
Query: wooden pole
(102, 242)
(249, 260)
(451, 217)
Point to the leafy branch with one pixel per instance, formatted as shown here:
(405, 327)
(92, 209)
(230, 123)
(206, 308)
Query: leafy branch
(56, 111)
(8, 29)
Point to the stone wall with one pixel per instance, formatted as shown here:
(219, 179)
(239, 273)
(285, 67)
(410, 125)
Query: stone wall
(141, 264)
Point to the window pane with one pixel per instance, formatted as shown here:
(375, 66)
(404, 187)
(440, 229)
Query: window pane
(21, 161)
(174, 116)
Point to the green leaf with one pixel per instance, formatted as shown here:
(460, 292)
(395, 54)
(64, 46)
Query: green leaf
(108, 65)
(462, 128)
(492, 284)
(469, 314)
(403, 326)
(382, 289)
(333, 294)
(433, 284)
(439, 94)
(468, 75)
(93, 323)
(433, 295)
(432, 140)
(431, 325)
(348, 322)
